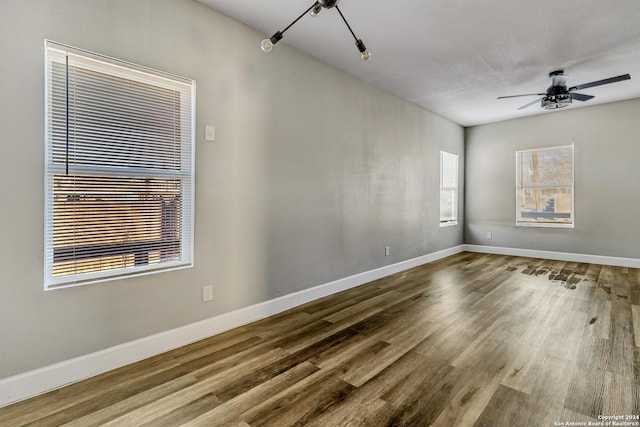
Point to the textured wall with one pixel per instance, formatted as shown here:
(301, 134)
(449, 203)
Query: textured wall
(312, 174)
(606, 180)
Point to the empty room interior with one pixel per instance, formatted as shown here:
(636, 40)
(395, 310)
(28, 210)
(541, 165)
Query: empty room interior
(286, 213)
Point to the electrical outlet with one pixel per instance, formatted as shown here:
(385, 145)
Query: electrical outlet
(207, 293)
(386, 251)
(489, 235)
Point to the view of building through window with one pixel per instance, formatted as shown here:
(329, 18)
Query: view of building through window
(545, 186)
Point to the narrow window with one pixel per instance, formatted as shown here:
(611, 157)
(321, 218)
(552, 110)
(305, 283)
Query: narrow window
(118, 168)
(448, 188)
(544, 185)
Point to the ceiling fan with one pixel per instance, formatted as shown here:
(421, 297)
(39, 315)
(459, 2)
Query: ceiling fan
(559, 96)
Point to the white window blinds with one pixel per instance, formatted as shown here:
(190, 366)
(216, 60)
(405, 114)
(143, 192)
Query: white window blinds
(119, 168)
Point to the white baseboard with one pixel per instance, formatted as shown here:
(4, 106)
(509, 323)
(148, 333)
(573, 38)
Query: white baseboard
(559, 256)
(38, 381)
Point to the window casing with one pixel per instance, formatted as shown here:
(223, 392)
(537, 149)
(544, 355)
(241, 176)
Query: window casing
(544, 187)
(448, 188)
(118, 168)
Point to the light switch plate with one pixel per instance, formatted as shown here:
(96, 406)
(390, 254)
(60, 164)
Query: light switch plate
(210, 133)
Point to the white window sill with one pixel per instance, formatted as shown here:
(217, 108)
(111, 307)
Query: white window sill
(448, 223)
(543, 225)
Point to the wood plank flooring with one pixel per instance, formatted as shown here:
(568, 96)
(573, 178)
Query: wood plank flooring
(470, 340)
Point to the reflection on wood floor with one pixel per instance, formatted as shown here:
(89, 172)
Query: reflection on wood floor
(472, 339)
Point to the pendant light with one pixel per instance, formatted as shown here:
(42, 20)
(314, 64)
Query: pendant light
(315, 9)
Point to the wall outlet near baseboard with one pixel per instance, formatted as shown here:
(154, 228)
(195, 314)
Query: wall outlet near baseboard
(207, 293)
(387, 251)
(489, 235)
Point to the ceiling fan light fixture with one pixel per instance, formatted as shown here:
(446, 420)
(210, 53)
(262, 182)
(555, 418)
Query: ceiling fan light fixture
(555, 102)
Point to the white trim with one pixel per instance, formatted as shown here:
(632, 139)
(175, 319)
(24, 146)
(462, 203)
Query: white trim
(38, 381)
(449, 223)
(545, 224)
(558, 256)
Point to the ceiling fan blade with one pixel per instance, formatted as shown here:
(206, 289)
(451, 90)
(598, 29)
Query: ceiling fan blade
(602, 82)
(516, 96)
(581, 96)
(529, 104)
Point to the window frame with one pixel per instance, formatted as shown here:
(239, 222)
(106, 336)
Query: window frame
(519, 219)
(184, 175)
(455, 189)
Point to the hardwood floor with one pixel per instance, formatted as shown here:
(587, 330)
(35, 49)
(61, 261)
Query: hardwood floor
(471, 340)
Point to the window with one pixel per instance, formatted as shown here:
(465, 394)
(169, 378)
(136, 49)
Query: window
(118, 168)
(544, 185)
(448, 188)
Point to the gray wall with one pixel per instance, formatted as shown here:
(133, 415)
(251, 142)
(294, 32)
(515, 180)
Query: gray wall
(607, 179)
(313, 173)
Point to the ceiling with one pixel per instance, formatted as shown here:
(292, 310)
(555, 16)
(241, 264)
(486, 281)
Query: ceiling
(455, 58)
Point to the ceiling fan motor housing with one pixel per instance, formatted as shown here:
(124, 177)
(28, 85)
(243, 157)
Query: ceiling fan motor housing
(557, 94)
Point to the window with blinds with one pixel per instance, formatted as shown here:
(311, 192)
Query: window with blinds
(119, 168)
(448, 188)
(544, 182)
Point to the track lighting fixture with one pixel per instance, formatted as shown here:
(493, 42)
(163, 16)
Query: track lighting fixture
(314, 10)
